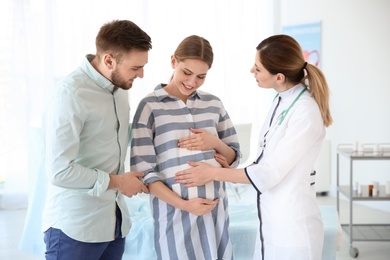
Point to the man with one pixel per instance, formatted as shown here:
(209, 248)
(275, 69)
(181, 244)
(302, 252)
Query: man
(86, 134)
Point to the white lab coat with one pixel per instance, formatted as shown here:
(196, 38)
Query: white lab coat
(291, 223)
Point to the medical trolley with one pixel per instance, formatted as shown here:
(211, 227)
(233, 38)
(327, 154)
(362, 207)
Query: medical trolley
(362, 232)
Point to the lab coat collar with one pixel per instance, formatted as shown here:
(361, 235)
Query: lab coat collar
(292, 92)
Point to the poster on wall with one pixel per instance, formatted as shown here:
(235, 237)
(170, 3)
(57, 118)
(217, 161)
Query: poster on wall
(308, 36)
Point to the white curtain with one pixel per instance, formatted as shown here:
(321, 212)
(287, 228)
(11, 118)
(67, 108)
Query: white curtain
(44, 40)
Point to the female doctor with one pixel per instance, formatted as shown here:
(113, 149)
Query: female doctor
(290, 140)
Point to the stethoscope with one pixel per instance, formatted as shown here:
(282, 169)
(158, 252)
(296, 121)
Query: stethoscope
(284, 113)
(280, 119)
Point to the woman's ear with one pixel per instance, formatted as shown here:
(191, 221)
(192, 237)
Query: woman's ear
(173, 61)
(280, 79)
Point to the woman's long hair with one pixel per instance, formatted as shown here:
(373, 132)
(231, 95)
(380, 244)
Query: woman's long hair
(283, 54)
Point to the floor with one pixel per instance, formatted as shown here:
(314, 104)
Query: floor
(12, 222)
(377, 250)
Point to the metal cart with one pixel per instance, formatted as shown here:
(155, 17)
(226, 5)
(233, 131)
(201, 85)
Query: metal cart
(361, 232)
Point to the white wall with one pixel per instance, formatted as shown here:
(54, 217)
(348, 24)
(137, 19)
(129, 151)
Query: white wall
(355, 52)
(355, 60)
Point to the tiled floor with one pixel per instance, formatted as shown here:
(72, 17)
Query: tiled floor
(12, 222)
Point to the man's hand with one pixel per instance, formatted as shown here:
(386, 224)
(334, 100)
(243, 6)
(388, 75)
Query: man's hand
(129, 184)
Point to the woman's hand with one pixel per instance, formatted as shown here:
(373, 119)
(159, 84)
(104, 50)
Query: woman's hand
(200, 140)
(221, 160)
(200, 206)
(198, 175)
(203, 140)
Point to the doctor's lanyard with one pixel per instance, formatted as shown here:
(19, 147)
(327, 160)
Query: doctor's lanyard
(280, 119)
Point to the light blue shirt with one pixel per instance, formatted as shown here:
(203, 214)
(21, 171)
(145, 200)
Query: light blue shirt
(86, 136)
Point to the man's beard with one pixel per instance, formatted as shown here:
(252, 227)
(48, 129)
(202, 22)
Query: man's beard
(119, 82)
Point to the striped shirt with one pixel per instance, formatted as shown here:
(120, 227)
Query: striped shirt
(160, 121)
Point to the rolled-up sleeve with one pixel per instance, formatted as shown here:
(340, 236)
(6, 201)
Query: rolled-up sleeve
(101, 184)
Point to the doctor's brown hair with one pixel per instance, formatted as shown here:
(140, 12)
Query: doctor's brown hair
(283, 54)
(195, 47)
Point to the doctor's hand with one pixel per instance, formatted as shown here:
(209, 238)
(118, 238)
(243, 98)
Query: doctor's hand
(200, 206)
(198, 175)
(129, 184)
(200, 140)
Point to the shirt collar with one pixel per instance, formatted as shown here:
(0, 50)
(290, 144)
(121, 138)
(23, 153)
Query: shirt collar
(162, 94)
(95, 76)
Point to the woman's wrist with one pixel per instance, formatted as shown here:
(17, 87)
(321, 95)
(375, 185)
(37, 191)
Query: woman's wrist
(181, 204)
(218, 145)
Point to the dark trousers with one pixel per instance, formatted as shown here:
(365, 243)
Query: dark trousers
(61, 247)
